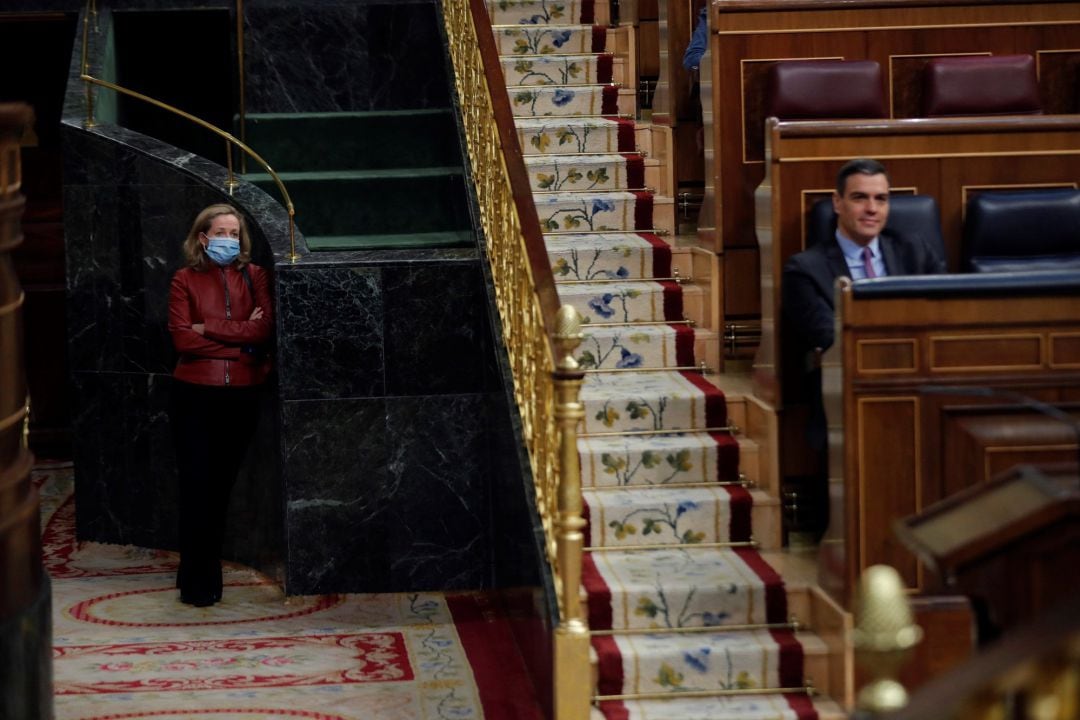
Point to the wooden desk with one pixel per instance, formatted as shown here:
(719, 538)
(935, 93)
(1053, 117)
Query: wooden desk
(905, 375)
(749, 36)
(949, 159)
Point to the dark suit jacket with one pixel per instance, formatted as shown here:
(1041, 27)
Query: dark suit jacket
(807, 311)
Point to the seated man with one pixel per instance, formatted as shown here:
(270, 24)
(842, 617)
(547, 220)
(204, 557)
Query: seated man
(861, 248)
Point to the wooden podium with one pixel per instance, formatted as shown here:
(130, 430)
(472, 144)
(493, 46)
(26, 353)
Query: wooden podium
(1012, 545)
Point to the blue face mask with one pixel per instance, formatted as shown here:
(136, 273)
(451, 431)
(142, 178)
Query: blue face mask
(223, 250)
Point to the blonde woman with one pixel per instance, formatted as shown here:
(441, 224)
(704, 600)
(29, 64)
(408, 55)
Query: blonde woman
(220, 319)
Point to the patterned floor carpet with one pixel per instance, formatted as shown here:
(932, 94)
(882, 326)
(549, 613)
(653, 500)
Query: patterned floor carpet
(126, 647)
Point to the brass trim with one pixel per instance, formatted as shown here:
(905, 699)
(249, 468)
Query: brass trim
(793, 624)
(676, 279)
(665, 546)
(13, 419)
(703, 369)
(733, 429)
(593, 191)
(808, 690)
(14, 304)
(653, 231)
(669, 486)
(586, 326)
(935, 339)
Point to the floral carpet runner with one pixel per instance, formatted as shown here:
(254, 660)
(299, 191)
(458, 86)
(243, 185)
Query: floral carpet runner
(663, 501)
(126, 647)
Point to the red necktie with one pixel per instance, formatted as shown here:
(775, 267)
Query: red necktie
(868, 266)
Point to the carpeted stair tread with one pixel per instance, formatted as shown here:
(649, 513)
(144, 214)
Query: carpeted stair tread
(560, 135)
(608, 171)
(738, 707)
(563, 100)
(355, 140)
(624, 301)
(631, 516)
(540, 12)
(594, 211)
(656, 460)
(608, 256)
(662, 400)
(517, 39)
(636, 346)
(694, 662)
(326, 243)
(558, 69)
(681, 587)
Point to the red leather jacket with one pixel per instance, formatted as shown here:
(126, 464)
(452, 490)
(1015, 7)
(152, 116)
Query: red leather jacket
(219, 298)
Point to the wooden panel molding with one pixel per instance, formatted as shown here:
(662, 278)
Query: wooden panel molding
(874, 357)
(985, 353)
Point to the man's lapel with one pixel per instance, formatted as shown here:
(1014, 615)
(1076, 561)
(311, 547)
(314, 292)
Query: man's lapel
(893, 265)
(837, 262)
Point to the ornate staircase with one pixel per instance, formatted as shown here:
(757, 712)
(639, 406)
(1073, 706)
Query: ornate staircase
(688, 615)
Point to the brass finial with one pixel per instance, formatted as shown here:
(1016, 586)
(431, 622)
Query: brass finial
(884, 634)
(567, 337)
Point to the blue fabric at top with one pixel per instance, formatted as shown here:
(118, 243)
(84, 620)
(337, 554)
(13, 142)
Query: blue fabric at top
(699, 41)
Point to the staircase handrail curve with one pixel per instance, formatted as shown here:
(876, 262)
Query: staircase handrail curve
(539, 335)
(86, 77)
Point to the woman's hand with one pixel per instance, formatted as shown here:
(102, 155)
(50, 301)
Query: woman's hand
(256, 314)
(199, 328)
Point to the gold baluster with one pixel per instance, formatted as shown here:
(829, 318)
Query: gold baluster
(883, 637)
(572, 673)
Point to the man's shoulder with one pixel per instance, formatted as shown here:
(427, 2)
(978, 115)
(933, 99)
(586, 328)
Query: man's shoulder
(811, 258)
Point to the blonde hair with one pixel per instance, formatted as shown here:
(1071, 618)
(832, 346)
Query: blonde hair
(194, 254)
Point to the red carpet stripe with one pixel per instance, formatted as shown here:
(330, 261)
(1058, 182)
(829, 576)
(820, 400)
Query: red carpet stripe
(603, 68)
(643, 219)
(627, 138)
(501, 679)
(684, 346)
(635, 171)
(587, 14)
(599, 595)
(715, 402)
(673, 309)
(790, 667)
(661, 254)
(803, 706)
(775, 596)
(741, 504)
(609, 665)
(610, 104)
(727, 457)
(614, 710)
(599, 38)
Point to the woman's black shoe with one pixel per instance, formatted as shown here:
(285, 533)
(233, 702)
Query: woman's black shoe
(199, 599)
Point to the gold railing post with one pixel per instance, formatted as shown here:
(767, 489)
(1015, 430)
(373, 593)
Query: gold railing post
(884, 634)
(573, 678)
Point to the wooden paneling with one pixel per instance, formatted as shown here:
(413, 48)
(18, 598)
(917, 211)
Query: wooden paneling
(949, 159)
(749, 35)
(927, 396)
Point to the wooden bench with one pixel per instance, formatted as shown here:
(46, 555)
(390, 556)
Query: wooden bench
(749, 36)
(932, 387)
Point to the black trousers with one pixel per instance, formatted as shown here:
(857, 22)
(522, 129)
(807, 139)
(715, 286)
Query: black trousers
(212, 428)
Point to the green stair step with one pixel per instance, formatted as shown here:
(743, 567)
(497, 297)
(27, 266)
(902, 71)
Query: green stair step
(376, 202)
(325, 243)
(355, 140)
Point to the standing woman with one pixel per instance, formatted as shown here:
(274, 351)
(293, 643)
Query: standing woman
(220, 319)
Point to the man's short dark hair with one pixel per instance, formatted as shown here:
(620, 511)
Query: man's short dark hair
(858, 166)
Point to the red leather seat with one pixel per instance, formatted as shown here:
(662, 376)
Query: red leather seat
(981, 85)
(825, 89)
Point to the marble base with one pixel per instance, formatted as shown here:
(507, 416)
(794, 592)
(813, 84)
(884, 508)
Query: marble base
(26, 690)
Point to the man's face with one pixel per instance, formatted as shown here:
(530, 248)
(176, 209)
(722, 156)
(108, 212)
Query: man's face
(864, 207)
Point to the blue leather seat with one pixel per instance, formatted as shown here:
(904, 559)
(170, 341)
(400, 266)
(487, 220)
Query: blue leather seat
(1017, 231)
(908, 215)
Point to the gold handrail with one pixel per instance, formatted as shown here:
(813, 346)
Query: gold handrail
(230, 182)
(536, 331)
